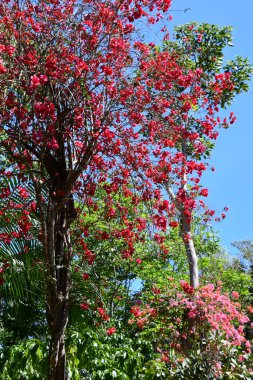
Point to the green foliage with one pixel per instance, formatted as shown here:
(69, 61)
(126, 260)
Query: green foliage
(241, 71)
(201, 46)
(22, 307)
(27, 360)
(103, 357)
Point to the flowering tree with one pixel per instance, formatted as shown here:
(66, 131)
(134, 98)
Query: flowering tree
(85, 102)
(200, 48)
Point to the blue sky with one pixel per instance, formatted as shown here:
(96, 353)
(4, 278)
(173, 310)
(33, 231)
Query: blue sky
(231, 184)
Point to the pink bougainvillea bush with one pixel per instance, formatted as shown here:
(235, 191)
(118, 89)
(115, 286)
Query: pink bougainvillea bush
(196, 331)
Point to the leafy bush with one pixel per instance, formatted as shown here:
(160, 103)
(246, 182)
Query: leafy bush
(197, 332)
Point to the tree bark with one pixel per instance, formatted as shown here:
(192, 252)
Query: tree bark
(186, 233)
(58, 256)
(185, 227)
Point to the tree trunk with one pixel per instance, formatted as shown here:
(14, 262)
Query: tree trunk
(185, 227)
(186, 230)
(190, 251)
(58, 255)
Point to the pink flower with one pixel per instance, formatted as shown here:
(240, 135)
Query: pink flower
(141, 322)
(241, 358)
(35, 81)
(43, 79)
(200, 38)
(235, 295)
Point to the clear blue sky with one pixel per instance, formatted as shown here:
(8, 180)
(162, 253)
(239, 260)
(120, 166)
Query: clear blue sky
(231, 184)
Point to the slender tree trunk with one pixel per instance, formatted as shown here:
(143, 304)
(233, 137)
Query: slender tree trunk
(58, 254)
(190, 251)
(186, 230)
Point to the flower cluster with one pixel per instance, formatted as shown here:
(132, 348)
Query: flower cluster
(191, 320)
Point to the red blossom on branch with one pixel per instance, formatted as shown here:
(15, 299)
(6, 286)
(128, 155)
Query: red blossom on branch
(111, 331)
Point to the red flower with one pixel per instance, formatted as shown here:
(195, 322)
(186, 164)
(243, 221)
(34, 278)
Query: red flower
(173, 224)
(33, 206)
(53, 144)
(35, 81)
(204, 192)
(2, 69)
(187, 288)
(23, 192)
(103, 313)
(111, 330)
(85, 306)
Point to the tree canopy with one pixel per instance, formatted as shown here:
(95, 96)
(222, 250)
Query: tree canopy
(104, 140)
